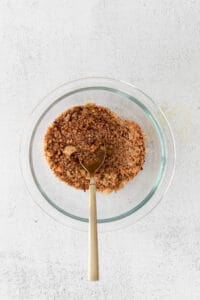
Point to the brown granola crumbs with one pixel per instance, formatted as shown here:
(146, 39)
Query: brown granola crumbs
(80, 132)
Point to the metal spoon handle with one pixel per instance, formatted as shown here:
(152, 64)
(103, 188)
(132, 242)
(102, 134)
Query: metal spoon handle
(93, 270)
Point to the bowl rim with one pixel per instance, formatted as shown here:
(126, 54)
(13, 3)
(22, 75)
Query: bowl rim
(89, 83)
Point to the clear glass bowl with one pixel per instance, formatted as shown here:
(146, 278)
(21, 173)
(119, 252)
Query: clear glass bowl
(139, 196)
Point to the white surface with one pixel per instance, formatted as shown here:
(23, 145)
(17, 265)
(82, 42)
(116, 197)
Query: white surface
(153, 44)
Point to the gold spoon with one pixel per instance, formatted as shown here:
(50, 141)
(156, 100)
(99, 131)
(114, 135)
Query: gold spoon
(91, 166)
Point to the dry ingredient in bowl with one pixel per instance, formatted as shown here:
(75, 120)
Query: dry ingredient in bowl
(80, 132)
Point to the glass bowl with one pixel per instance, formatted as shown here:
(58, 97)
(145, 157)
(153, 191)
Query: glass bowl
(118, 209)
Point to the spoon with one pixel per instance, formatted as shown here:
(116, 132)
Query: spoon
(91, 166)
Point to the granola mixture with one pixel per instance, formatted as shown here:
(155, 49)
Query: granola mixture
(80, 132)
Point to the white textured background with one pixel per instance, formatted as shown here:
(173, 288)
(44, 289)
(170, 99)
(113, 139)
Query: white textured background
(155, 45)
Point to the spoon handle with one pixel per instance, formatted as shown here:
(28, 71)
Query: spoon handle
(93, 270)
